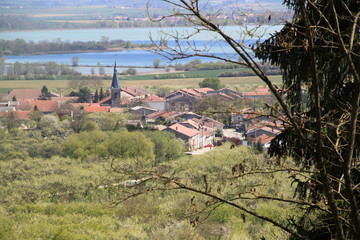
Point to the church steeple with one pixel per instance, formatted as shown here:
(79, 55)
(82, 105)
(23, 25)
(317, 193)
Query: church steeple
(115, 81)
(115, 90)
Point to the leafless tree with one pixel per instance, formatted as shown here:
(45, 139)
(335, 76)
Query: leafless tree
(318, 52)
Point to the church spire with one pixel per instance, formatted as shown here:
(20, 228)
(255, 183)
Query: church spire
(115, 81)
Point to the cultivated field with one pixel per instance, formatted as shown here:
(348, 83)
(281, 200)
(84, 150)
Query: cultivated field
(241, 83)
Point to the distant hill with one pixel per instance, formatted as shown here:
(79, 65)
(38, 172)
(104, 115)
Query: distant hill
(133, 3)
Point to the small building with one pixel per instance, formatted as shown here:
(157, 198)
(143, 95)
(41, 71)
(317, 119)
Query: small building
(188, 135)
(255, 132)
(155, 102)
(264, 140)
(142, 111)
(183, 100)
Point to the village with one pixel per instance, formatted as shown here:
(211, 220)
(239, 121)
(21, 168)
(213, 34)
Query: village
(173, 112)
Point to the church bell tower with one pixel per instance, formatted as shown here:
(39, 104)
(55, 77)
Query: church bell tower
(115, 90)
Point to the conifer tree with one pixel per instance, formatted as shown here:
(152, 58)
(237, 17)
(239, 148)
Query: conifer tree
(96, 96)
(45, 94)
(101, 95)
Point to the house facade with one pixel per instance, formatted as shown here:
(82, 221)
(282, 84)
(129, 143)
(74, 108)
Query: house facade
(191, 137)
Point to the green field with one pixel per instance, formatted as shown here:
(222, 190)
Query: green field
(191, 74)
(242, 83)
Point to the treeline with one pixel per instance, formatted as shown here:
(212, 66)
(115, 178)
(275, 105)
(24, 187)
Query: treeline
(268, 70)
(241, 71)
(30, 71)
(176, 76)
(48, 70)
(24, 22)
(20, 22)
(20, 46)
(199, 65)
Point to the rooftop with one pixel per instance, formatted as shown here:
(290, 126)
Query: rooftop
(184, 130)
(24, 94)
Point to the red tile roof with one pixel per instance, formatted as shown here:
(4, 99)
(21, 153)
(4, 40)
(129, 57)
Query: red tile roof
(195, 92)
(45, 105)
(263, 138)
(153, 98)
(105, 100)
(203, 90)
(184, 130)
(24, 105)
(19, 115)
(169, 114)
(96, 108)
(128, 91)
(65, 99)
(192, 123)
(155, 115)
(42, 105)
(24, 94)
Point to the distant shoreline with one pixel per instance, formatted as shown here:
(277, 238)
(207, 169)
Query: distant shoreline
(76, 29)
(83, 51)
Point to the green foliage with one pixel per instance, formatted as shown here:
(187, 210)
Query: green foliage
(87, 143)
(130, 71)
(45, 94)
(133, 145)
(9, 121)
(50, 125)
(71, 198)
(90, 126)
(36, 115)
(84, 95)
(108, 121)
(219, 173)
(166, 146)
(213, 83)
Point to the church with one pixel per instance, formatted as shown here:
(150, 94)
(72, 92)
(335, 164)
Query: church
(121, 97)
